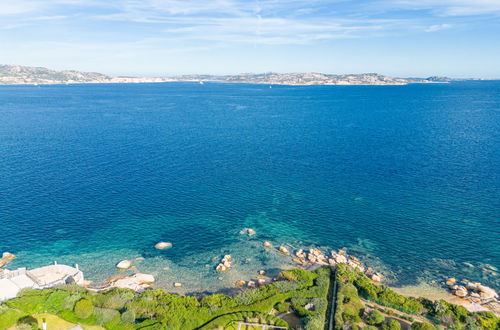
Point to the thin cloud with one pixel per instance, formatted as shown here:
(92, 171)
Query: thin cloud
(438, 27)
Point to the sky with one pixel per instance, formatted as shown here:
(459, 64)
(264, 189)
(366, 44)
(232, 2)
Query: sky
(404, 38)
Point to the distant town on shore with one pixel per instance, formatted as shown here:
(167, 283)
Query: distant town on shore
(25, 75)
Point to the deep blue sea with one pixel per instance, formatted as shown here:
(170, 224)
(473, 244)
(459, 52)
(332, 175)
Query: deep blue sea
(406, 177)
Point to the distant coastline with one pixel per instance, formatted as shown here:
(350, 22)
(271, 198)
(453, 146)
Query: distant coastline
(24, 75)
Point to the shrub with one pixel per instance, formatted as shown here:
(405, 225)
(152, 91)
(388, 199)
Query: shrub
(287, 286)
(298, 275)
(351, 314)
(370, 327)
(391, 325)
(29, 322)
(422, 326)
(366, 287)
(104, 314)
(216, 302)
(8, 316)
(54, 302)
(84, 308)
(128, 316)
(282, 307)
(488, 320)
(30, 301)
(314, 323)
(69, 302)
(374, 317)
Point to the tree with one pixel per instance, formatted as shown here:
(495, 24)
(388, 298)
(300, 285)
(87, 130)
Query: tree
(391, 325)
(374, 317)
(422, 326)
(84, 308)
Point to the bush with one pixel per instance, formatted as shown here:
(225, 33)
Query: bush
(30, 301)
(128, 317)
(370, 327)
(351, 314)
(84, 308)
(29, 322)
(299, 275)
(9, 316)
(54, 302)
(391, 325)
(422, 326)
(374, 317)
(282, 307)
(69, 302)
(104, 314)
(287, 286)
(488, 320)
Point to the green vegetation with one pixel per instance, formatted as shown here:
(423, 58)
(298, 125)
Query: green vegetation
(354, 285)
(374, 317)
(84, 308)
(301, 291)
(359, 304)
(391, 325)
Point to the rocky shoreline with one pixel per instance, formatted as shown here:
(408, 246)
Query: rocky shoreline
(477, 294)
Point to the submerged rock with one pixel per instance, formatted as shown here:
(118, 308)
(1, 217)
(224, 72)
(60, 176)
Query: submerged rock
(225, 263)
(267, 244)
(124, 264)
(248, 231)
(301, 254)
(163, 245)
(451, 281)
(283, 250)
(221, 268)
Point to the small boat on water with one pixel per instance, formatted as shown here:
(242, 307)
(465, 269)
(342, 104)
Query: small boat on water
(202, 83)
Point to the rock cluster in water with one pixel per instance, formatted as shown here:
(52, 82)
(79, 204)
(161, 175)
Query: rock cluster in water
(225, 264)
(475, 292)
(137, 282)
(316, 257)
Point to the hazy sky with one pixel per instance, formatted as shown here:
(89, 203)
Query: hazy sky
(459, 38)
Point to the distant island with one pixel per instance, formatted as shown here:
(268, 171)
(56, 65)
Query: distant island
(25, 75)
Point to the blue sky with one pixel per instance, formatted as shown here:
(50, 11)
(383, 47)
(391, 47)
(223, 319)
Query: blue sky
(458, 38)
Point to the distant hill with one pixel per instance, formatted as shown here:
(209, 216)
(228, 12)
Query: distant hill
(16, 74)
(25, 75)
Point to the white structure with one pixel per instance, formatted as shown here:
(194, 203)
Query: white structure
(11, 282)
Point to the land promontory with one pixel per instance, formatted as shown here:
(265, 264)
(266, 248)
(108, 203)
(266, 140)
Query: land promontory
(25, 75)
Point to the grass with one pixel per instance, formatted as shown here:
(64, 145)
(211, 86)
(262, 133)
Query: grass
(55, 322)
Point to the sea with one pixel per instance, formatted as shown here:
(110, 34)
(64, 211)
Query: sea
(407, 178)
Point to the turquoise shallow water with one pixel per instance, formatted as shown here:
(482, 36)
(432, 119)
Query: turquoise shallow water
(406, 177)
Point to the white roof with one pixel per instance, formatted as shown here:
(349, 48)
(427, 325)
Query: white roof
(8, 289)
